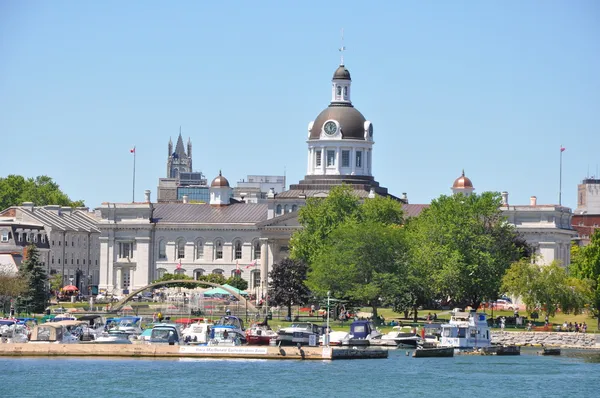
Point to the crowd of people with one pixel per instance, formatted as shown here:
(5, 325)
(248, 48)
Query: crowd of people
(574, 327)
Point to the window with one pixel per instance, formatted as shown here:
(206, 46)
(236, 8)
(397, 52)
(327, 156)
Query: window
(43, 238)
(77, 261)
(318, 158)
(199, 250)
(238, 250)
(257, 250)
(339, 90)
(358, 158)
(4, 237)
(162, 249)
(218, 251)
(28, 237)
(368, 158)
(125, 249)
(59, 243)
(180, 249)
(59, 260)
(285, 208)
(72, 258)
(255, 279)
(345, 92)
(160, 272)
(278, 209)
(52, 260)
(345, 158)
(330, 158)
(52, 243)
(179, 271)
(35, 238)
(218, 271)
(198, 273)
(294, 207)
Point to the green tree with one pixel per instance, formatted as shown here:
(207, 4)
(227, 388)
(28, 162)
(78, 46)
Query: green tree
(12, 285)
(175, 277)
(238, 282)
(545, 287)
(213, 278)
(34, 299)
(361, 262)
(14, 190)
(287, 286)
(56, 282)
(585, 265)
(465, 245)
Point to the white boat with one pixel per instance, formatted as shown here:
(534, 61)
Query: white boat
(260, 334)
(222, 337)
(52, 332)
(113, 336)
(131, 325)
(299, 333)
(165, 333)
(466, 330)
(336, 338)
(228, 328)
(399, 336)
(13, 332)
(196, 333)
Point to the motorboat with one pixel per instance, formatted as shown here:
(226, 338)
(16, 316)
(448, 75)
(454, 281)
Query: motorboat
(303, 333)
(52, 332)
(435, 352)
(227, 328)
(113, 336)
(222, 337)
(336, 337)
(399, 336)
(95, 326)
(131, 325)
(197, 332)
(466, 330)
(165, 333)
(260, 334)
(13, 331)
(362, 332)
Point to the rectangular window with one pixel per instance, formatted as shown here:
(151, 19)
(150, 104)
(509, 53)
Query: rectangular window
(330, 158)
(199, 251)
(125, 249)
(238, 251)
(358, 158)
(4, 236)
(345, 158)
(318, 158)
(368, 159)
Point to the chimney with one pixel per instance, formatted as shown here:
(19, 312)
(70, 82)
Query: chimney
(147, 195)
(185, 198)
(271, 193)
(372, 193)
(66, 210)
(28, 206)
(533, 201)
(404, 197)
(504, 198)
(53, 208)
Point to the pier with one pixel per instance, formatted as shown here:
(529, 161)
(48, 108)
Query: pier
(186, 351)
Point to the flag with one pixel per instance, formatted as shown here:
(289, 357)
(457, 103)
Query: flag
(179, 264)
(132, 150)
(562, 148)
(252, 264)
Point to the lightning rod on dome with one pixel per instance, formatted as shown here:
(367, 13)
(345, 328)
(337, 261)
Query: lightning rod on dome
(342, 49)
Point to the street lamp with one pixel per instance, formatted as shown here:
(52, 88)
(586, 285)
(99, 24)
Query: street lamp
(327, 332)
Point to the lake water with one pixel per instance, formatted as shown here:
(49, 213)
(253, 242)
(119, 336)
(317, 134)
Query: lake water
(574, 374)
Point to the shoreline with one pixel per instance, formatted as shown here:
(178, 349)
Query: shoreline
(572, 340)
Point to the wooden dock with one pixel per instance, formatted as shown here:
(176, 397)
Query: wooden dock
(185, 351)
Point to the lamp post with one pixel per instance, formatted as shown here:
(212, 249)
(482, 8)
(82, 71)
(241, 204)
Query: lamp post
(327, 332)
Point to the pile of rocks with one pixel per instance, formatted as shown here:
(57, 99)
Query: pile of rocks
(563, 339)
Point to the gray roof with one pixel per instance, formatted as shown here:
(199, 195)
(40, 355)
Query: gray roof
(352, 122)
(73, 220)
(236, 213)
(342, 73)
(296, 193)
(179, 150)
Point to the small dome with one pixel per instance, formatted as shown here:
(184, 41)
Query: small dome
(462, 182)
(219, 181)
(352, 122)
(342, 73)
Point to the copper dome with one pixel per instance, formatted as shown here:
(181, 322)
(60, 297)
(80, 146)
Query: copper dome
(352, 122)
(219, 181)
(462, 182)
(342, 73)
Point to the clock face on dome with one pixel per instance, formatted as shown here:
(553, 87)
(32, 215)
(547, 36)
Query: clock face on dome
(330, 128)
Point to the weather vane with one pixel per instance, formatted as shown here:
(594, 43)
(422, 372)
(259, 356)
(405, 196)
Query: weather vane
(342, 48)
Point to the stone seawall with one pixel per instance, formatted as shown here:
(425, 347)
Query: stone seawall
(563, 339)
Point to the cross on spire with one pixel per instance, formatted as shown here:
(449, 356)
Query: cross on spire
(342, 49)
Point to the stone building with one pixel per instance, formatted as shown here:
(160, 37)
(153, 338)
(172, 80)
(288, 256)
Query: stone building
(586, 218)
(15, 236)
(73, 238)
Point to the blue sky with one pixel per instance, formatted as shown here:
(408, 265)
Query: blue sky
(493, 87)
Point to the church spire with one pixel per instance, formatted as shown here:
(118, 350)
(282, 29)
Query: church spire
(179, 148)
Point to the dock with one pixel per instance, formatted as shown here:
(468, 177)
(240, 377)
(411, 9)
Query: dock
(186, 351)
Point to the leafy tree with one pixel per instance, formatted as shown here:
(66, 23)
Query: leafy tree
(14, 190)
(34, 298)
(545, 287)
(238, 282)
(361, 262)
(585, 265)
(11, 286)
(464, 245)
(287, 284)
(213, 278)
(56, 282)
(175, 277)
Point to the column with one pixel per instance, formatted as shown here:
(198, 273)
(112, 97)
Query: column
(323, 160)
(119, 280)
(264, 268)
(309, 163)
(337, 160)
(353, 160)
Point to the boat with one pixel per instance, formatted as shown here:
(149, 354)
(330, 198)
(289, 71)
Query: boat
(95, 326)
(436, 352)
(400, 336)
(13, 331)
(508, 350)
(52, 332)
(303, 333)
(131, 325)
(362, 332)
(234, 327)
(113, 336)
(165, 333)
(260, 334)
(336, 337)
(550, 351)
(197, 332)
(466, 330)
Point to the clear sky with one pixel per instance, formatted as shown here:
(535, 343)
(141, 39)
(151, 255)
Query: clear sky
(494, 87)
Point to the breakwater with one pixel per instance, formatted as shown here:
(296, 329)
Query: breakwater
(562, 339)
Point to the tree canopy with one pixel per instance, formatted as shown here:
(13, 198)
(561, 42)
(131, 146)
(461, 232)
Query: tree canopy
(463, 246)
(238, 282)
(35, 297)
(585, 265)
(287, 284)
(41, 190)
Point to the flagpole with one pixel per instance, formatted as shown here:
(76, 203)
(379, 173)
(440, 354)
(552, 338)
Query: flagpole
(133, 194)
(560, 178)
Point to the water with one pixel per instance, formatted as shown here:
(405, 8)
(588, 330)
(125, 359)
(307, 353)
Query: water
(572, 374)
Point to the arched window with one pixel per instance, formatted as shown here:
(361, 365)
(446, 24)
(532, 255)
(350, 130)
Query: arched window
(199, 249)
(278, 209)
(160, 272)
(345, 92)
(218, 250)
(339, 91)
(180, 249)
(255, 278)
(285, 208)
(179, 271)
(218, 271)
(162, 249)
(256, 255)
(198, 273)
(237, 255)
(237, 272)
(294, 207)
